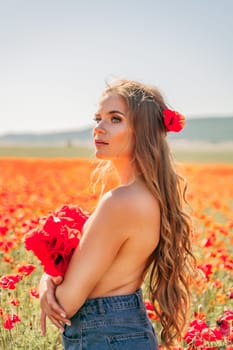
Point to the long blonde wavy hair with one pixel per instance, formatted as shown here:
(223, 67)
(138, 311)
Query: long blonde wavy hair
(170, 265)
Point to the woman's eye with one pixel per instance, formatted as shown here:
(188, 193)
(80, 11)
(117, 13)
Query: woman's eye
(116, 119)
(97, 119)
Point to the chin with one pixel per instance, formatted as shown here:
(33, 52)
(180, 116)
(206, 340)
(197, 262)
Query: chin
(99, 155)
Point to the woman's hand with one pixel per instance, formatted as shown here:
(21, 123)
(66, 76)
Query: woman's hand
(49, 304)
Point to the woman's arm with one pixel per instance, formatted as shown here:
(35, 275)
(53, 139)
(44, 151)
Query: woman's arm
(49, 305)
(105, 233)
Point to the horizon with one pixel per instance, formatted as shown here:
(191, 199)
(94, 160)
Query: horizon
(56, 57)
(87, 127)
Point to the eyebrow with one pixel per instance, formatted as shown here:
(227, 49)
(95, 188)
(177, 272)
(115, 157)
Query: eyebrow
(113, 112)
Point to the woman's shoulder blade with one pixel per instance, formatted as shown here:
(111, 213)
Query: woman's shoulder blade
(129, 200)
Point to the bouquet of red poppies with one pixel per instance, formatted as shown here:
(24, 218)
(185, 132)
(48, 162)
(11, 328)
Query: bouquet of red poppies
(55, 238)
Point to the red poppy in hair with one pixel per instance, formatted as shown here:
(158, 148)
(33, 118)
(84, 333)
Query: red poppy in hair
(174, 121)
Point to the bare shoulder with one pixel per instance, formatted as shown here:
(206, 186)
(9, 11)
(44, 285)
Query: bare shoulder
(133, 201)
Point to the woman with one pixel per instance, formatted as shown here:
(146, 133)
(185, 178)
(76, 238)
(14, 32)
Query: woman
(137, 228)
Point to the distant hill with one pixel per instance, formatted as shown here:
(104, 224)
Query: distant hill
(213, 130)
(74, 136)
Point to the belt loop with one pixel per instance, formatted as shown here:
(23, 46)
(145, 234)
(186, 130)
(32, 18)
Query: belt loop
(140, 299)
(101, 308)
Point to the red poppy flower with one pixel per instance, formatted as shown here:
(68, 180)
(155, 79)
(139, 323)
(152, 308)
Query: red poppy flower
(151, 310)
(34, 293)
(198, 341)
(8, 259)
(55, 238)
(207, 269)
(15, 318)
(10, 320)
(5, 246)
(9, 281)
(190, 335)
(173, 120)
(230, 340)
(26, 269)
(224, 327)
(199, 315)
(198, 325)
(228, 315)
(3, 230)
(15, 302)
(148, 305)
(211, 334)
(8, 323)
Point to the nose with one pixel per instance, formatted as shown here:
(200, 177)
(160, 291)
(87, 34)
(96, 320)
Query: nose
(99, 128)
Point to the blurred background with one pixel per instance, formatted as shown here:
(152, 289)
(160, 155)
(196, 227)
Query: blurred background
(56, 57)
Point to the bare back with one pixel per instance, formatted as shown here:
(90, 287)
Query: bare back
(125, 274)
(117, 240)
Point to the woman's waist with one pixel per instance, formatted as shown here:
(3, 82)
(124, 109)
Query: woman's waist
(108, 304)
(108, 287)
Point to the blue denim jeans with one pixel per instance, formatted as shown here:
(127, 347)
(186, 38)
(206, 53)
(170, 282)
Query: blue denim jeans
(111, 323)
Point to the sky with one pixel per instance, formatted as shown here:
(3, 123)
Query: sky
(56, 57)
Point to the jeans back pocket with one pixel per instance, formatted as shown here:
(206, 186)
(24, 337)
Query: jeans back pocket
(72, 338)
(132, 341)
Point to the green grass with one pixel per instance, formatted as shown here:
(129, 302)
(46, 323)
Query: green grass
(26, 334)
(204, 156)
(46, 152)
(189, 155)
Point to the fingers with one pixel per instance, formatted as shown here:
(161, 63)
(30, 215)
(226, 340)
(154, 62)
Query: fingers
(55, 309)
(54, 320)
(49, 305)
(43, 323)
(57, 280)
(59, 317)
(57, 324)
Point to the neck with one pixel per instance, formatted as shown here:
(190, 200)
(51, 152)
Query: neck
(126, 171)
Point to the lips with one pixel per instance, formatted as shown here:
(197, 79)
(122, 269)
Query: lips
(100, 142)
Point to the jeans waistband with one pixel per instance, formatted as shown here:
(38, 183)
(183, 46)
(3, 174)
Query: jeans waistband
(102, 305)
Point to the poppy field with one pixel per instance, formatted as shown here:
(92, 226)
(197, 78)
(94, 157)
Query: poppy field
(32, 187)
